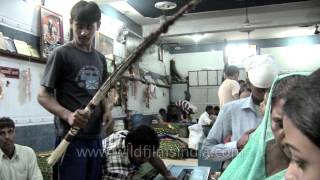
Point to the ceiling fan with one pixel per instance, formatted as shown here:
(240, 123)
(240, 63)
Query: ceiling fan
(164, 6)
(248, 25)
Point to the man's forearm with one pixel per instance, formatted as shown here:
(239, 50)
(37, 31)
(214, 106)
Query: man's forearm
(158, 164)
(219, 152)
(107, 110)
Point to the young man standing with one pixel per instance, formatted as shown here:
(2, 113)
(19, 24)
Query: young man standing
(73, 74)
(16, 162)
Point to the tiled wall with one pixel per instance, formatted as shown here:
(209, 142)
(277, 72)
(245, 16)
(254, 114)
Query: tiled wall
(39, 137)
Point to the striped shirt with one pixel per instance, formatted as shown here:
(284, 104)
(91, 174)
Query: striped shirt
(116, 164)
(186, 106)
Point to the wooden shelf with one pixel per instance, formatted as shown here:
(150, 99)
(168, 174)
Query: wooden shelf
(22, 57)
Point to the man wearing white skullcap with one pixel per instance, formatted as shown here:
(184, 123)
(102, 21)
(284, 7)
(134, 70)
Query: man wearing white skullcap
(261, 70)
(237, 119)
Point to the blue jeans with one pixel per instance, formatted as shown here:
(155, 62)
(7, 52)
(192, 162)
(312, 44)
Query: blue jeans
(82, 160)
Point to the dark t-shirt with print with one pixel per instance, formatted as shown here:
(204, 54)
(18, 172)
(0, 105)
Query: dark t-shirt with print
(76, 76)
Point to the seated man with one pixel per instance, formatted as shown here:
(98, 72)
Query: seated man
(237, 119)
(125, 151)
(16, 162)
(206, 118)
(162, 116)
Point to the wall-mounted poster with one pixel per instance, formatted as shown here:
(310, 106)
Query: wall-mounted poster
(104, 45)
(51, 31)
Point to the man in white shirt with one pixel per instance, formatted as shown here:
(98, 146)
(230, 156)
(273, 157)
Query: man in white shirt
(16, 162)
(207, 117)
(229, 89)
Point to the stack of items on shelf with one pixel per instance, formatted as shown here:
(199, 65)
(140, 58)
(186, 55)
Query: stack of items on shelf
(17, 46)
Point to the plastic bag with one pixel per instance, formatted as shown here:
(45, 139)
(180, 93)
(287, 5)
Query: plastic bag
(195, 136)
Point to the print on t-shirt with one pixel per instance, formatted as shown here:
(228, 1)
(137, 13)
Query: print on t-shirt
(89, 78)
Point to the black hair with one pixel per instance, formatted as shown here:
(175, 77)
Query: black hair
(244, 87)
(84, 11)
(231, 71)
(6, 122)
(216, 110)
(241, 82)
(283, 86)
(88, 12)
(162, 110)
(143, 137)
(302, 106)
(209, 107)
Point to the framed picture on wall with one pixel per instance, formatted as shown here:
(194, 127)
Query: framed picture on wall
(51, 31)
(104, 45)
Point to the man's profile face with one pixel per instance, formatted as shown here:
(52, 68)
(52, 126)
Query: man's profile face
(7, 136)
(140, 155)
(258, 94)
(210, 111)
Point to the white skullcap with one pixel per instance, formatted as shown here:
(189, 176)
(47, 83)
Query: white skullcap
(262, 70)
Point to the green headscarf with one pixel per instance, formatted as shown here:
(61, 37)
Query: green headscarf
(250, 162)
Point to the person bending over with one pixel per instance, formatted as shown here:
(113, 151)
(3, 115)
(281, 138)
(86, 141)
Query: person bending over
(124, 152)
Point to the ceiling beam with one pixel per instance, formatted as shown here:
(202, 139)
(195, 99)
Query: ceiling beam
(271, 16)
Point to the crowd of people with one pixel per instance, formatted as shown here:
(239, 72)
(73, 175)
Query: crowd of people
(267, 128)
(283, 142)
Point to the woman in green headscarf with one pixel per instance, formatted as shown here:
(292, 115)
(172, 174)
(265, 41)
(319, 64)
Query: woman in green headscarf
(264, 156)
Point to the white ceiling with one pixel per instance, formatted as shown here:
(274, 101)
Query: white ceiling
(272, 21)
(237, 35)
